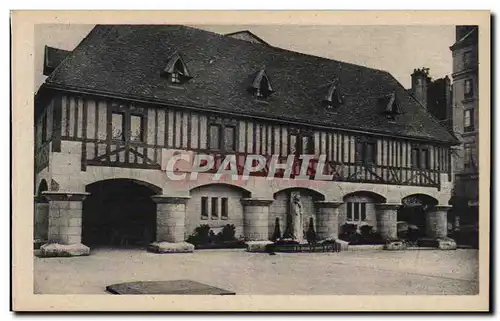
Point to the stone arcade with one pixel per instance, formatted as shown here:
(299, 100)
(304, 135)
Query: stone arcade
(126, 97)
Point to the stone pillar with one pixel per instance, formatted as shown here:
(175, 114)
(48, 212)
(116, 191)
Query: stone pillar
(41, 219)
(436, 222)
(256, 219)
(327, 220)
(387, 220)
(65, 225)
(170, 218)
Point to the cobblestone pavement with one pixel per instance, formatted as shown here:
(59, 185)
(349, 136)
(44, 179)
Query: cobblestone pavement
(351, 272)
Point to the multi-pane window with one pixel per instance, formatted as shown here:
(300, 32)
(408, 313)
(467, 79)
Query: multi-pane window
(468, 120)
(301, 144)
(222, 137)
(366, 152)
(224, 210)
(307, 145)
(127, 124)
(136, 130)
(215, 136)
(420, 158)
(229, 138)
(204, 207)
(175, 78)
(117, 126)
(356, 212)
(467, 156)
(468, 89)
(293, 145)
(215, 208)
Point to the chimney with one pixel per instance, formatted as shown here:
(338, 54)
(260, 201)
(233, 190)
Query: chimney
(419, 81)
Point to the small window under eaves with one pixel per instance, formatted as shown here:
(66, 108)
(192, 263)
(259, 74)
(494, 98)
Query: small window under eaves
(390, 105)
(176, 70)
(334, 97)
(261, 85)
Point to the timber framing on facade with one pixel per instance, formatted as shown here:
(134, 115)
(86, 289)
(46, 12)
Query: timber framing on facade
(128, 95)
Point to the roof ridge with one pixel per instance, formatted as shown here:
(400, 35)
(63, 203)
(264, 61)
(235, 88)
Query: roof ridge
(224, 36)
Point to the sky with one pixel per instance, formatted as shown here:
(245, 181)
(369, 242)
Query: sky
(396, 49)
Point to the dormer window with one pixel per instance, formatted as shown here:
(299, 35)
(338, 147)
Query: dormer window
(176, 70)
(261, 85)
(333, 97)
(391, 106)
(175, 78)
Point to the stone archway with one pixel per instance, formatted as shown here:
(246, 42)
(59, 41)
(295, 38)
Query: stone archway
(119, 212)
(359, 210)
(280, 210)
(412, 216)
(216, 205)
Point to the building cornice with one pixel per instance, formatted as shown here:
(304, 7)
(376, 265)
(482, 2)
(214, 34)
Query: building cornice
(464, 73)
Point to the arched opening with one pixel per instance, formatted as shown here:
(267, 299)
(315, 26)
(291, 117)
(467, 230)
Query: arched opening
(358, 213)
(41, 214)
(412, 216)
(215, 205)
(119, 212)
(374, 197)
(281, 209)
(42, 187)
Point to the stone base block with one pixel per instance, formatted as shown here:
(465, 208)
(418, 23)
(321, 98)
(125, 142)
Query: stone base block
(342, 245)
(57, 250)
(257, 246)
(366, 247)
(395, 246)
(167, 247)
(447, 244)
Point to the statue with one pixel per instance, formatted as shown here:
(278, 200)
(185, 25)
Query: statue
(296, 213)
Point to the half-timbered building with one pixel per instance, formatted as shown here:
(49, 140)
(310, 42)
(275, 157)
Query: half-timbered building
(114, 108)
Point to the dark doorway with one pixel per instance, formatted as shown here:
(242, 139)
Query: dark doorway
(119, 212)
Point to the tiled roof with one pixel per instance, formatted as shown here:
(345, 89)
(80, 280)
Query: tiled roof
(127, 60)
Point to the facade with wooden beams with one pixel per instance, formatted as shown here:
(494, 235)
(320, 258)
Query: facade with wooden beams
(113, 110)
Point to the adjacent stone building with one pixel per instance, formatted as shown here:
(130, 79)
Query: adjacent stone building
(112, 111)
(456, 107)
(466, 123)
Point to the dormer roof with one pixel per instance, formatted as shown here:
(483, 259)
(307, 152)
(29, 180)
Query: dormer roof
(247, 36)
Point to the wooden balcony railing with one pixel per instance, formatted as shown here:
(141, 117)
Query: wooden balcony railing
(118, 154)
